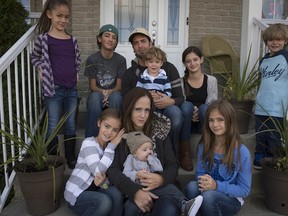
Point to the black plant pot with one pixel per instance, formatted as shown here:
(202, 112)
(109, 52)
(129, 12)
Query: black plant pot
(41, 195)
(276, 192)
(244, 112)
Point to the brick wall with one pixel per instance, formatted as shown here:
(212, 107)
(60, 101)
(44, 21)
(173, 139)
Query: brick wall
(85, 26)
(36, 5)
(220, 17)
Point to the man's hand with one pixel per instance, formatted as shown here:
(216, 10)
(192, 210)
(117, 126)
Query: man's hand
(149, 180)
(144, 200)
(162, 101)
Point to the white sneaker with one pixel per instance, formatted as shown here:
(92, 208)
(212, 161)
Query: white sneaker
(192, 206)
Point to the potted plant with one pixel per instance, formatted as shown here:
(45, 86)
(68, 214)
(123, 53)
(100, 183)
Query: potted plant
(40, 175)
(240, 90)
(275, 172)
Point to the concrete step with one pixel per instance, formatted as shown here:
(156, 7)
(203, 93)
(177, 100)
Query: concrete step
(254, 204)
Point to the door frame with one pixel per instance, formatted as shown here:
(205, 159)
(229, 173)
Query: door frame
(155, 13)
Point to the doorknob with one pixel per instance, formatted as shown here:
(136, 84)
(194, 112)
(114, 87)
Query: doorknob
(153, 33)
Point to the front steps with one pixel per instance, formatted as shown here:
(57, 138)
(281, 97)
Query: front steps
(253, 206)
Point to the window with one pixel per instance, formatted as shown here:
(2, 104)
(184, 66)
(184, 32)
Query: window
(130, 14)
(275, 9)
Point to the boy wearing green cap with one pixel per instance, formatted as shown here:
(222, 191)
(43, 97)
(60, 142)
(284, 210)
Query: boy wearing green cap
(104, 70)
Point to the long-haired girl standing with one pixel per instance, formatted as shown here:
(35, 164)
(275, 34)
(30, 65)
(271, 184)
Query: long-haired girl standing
(57, 58)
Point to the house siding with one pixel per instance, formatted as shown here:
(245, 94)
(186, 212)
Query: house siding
(85, 26)
(222, 17)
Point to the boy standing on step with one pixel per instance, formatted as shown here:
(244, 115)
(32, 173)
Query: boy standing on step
(272, 96)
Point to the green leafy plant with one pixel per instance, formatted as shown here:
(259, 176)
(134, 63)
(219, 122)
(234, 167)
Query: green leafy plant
(244, 85)
(280, 160)
(12, 22)
(32, 157)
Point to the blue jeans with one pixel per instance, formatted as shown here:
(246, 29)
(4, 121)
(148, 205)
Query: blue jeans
(99, 203)
(187, 109)
(214, 202)
(95, 107)
(174, 113)
(266, 141)
(64, 101)
(169, 203)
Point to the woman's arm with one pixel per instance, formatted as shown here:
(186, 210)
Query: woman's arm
(212, 89)
(168, 160)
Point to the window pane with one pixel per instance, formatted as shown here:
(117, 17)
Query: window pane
(173, 22)
(275, 9)
(130, 14)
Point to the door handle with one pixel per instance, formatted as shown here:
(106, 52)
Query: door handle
(153, 33)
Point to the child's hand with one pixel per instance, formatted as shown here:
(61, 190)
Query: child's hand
(206, 182)
(195, 117)
(118, 137)
(99, 179)
(154, 94)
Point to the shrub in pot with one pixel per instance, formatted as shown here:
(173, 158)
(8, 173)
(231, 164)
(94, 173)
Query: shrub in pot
(275, 172)
(34, 165)
(240, 90)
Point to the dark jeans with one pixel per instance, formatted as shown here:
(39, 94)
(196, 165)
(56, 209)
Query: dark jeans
(95, 107)
(268, 139)
(215, 203)
(169, 203)
(99, 203)
(63, 100)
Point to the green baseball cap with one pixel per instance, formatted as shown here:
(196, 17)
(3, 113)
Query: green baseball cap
(109, 28)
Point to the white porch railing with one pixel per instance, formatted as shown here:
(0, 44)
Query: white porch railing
(20, 97)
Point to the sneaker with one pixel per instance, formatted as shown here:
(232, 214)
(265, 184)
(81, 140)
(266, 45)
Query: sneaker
(192, 206)
(257, 165)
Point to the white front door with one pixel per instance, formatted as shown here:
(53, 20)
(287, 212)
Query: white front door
(166, 20)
